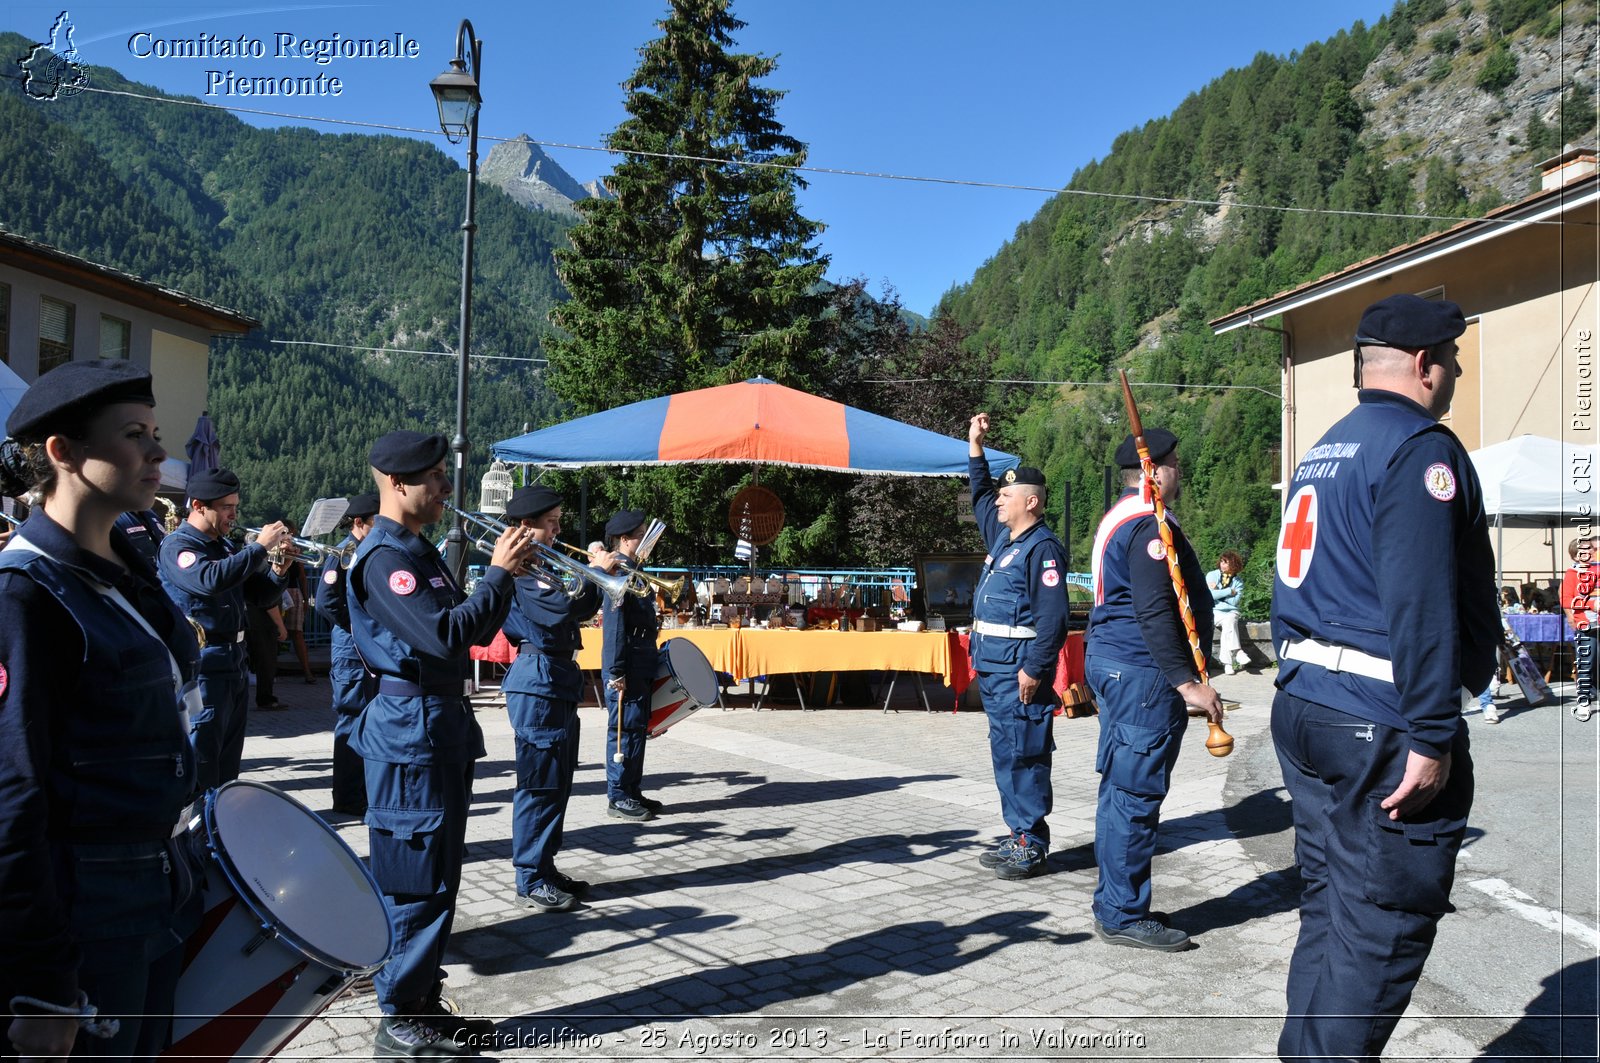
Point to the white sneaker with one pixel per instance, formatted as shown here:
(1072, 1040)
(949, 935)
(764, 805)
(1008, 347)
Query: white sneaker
(1582, 713)
(1491, 715)
(1244, 658)
(1227, 669)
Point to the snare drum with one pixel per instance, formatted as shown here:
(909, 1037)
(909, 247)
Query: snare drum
(292, 917)
(685, 681)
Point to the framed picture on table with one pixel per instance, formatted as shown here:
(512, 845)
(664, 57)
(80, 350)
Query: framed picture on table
(948, 583)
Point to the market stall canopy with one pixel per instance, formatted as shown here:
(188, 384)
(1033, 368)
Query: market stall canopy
(11, 388)
(757, 421)
(1535, 477)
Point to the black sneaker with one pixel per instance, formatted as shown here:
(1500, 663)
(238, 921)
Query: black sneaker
(1025, 861)
(546, 898)
(628, 808)
(575, 886)
(998, 855)
(407, 1038)
(649, 802)
(1145, 934)
(444, 1015)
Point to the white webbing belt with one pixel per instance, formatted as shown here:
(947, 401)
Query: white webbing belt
(1338, 659)
(1003, 631)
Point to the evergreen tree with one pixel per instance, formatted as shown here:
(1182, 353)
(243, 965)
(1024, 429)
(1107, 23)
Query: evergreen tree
(701, 270)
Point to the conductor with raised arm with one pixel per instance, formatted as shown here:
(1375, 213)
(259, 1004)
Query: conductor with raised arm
(1019, 624)
(413, 627)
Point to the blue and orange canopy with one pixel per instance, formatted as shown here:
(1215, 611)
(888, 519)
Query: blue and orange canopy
(756, 421)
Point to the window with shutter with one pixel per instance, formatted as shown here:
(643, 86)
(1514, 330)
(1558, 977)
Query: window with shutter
(55, 333)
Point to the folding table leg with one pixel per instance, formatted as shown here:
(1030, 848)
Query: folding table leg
(890, 695)
(923, 690)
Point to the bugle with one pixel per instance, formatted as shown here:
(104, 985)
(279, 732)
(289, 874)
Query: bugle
(640, 582)
(485, 531)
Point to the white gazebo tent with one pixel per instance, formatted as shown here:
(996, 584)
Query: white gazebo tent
(1534, 481)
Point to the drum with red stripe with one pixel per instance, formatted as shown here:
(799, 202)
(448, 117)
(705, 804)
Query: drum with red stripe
(292, 918)
(685, 682)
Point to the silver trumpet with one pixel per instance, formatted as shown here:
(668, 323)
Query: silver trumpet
(484, 531)
(311, 550)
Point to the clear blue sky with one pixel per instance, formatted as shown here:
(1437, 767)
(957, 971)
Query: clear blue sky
(1012, 92)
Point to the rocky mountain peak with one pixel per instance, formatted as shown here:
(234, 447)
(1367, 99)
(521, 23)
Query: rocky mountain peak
(529, 176)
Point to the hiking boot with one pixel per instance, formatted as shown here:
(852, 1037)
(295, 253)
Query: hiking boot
(407, 1038)
(628, 808)
(1025, 861)
(998, 855)
(575, 886)
(649, 802)
(545, 897)
(1145, 934)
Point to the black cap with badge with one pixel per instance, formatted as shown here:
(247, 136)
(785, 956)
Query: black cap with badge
(75, 388)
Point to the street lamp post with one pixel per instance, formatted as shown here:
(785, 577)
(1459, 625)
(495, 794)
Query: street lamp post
(456, 93)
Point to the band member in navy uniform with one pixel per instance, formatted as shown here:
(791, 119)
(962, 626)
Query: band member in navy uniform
(413, 627)
(542, 689)
(95, 899)
(1019, 624)
(628, 661)
(145, 531)
(211, 582)
(1383, 610)
(1142, 671)
(346, 674)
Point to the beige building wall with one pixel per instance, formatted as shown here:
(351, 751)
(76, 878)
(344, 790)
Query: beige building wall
(1529, 294)
(179, 365)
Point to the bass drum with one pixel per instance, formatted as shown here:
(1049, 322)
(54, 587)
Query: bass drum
(292, 918)
(684, 683)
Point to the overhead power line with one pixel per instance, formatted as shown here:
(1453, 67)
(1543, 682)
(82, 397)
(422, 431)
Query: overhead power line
(1075, 384)
(955, 182)
(404, 350)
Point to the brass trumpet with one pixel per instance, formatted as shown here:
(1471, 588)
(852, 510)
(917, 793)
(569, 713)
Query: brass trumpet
(640, 582)
(486, 530)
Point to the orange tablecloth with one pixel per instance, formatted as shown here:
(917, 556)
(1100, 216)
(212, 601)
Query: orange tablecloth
(745, 653)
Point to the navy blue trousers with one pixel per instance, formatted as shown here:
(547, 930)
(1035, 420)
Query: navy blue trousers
(547, 756)
(350, 694)
(417, 832)
(1021, 741)
(626, 779)
(1142, 720)
(1374, 889)
(218, 733)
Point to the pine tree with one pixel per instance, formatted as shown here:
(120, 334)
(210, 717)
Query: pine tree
(701, 270)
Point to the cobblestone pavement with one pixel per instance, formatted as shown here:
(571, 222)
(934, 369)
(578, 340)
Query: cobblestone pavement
(812, 891)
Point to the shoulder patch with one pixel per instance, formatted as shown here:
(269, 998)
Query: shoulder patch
(437, 583)
(331, 576)
(1440, 480)
(402, 582)
(187, 558)
(1156, 549)
(1051, 577)
(1049, 563)
(5, 680)
(1297, 539)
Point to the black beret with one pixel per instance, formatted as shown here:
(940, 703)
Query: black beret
(1159, 441)
(1022, 474)
(404, 452)
(628, 520)
(531, 502)
(212, 484)
(76, 387)
(1408, 321)
(362, 505)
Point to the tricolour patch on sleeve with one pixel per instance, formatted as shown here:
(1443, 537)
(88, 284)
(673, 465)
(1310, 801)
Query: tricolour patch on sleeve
(402, 582)
(1440, 480)
(187, 558)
